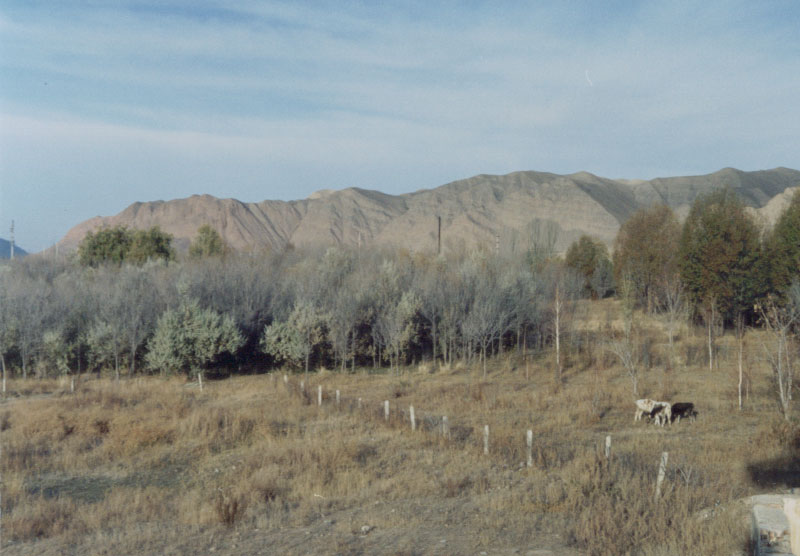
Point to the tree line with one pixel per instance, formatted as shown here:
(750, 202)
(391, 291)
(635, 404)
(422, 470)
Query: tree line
(129, 303)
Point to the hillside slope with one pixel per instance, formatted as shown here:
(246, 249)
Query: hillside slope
(479, 210)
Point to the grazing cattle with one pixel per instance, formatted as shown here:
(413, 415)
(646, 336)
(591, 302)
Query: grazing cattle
(643, 406)
(661, 413)
(683, 410)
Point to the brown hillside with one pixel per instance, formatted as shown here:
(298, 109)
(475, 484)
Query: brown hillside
(474, 211)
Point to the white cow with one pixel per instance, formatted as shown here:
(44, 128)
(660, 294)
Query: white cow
(661, 412)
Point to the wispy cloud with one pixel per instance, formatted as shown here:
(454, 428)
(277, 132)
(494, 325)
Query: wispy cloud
(273, 100)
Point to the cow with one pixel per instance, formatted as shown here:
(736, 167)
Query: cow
(643, 406)
(661, 412)
(683, 410)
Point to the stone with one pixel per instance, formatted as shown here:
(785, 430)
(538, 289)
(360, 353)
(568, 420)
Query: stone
(770, 526)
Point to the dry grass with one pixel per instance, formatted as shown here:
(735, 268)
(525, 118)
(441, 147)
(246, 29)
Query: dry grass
(252, 465)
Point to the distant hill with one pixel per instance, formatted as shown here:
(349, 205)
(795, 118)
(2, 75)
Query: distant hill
(478, 210)
(5, 249)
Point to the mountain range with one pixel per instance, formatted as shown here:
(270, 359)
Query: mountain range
(493, 210)
(5, 249)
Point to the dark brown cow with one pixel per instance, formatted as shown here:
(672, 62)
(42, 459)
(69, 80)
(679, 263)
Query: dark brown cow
(682, 410)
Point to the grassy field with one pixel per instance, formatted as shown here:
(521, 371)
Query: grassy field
(252, 465)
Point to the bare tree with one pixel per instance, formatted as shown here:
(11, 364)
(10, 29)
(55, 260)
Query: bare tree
(564, 288)
(673, 295)
(778, 321)
(28, 310)
(625, 348)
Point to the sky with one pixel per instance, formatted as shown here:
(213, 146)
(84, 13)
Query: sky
(103, 104)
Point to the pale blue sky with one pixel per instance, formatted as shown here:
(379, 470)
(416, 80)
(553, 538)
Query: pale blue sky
(106, 103)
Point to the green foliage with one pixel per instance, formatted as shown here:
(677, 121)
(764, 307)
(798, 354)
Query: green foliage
(107, 245)
(720, 254)
(54, 354)
(99, 340)
(646, 253)
(589, 258)
(119, 244)
(150, 244)
(189, 337)
(294, 340)
(207, 243)
(282, 342)
(783, 247)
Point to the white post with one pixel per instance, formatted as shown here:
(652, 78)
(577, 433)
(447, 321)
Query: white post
(386, 410)
(338, 398)
(319, 395)
(662, 469)
(302, 386)
(71, 385)
(413, 421)
(445, 427)
(4, 384)
(359, 403)
(529, 442)
(486, 440)
(285, 379)
(200, 380)
(608, 446)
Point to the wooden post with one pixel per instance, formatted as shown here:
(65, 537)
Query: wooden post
(662, 470)
(413, 421)
(529, 443)
(359, 403)
(285, 378)
(71, 385)
(386, 410)
(608, 447)
(445, 427)
(200, 380)
(338, 398)
(302, 386)
(319, 395)
(486, 440)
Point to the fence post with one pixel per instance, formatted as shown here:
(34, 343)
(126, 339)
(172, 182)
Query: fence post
(413, 421)
(319, 395)
(71, 385)
(285, 378)
(662, 469)
(386, 410)
(486, 440)
(445, 427)
(302, 386)
(608, 447)
(337, 398)
(200, 380)
(529, 442)
(359, 403)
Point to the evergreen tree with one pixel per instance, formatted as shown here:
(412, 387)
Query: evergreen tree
(719, 256)
(783, 247)
(207, 243)
(646, 253)
(107, 245)
(150, 244)
(589, 258)
(118, 245)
